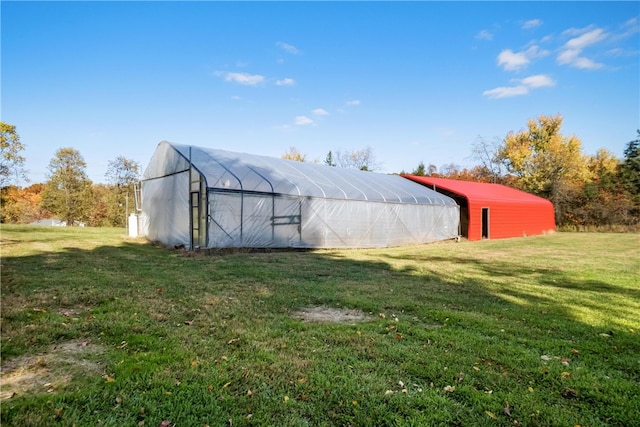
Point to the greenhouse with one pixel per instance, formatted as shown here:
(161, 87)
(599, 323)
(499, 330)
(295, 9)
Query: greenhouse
(207, 198)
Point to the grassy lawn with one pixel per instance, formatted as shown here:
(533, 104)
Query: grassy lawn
(100, 329)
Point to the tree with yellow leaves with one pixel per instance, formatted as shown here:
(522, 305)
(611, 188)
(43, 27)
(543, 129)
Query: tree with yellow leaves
(546, 162)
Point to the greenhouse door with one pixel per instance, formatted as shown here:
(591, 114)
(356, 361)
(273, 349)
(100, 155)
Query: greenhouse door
(198, 212)
(286, 222)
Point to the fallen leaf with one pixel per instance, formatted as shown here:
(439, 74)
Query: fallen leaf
(506, 409)
(108, 378)
(58, 412)
(355, 403)
(249, 392)
(545, 357)
(165, 423)
(530, 389)
(491, 414)
(194, 363)
(304, 398)
(574, 351)
(123, 344)
(449, 389)
(302, 380)
(188, 322)
(233, 340)
(118, 400)
(566, 374)
(227, 385)
(286, 398)
(565, 361)
(388, 392)
(140, 423)
(398, 336)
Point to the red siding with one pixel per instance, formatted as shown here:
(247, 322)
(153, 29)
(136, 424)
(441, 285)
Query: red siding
(512, 213)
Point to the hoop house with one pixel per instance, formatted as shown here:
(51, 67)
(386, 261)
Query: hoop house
(206, 198)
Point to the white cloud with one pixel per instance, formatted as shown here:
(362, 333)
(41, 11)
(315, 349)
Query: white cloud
(582, 38)
(288, 48)
(532, 23)
(538, 80)
(285, 82)
(320, 112)
(522, 87)
(586, 39)
(245, 79)
(484, 35)
(572, 58)
(303, 121)
(514, 61)
(353, 102)
(506, 92)
(511, 60)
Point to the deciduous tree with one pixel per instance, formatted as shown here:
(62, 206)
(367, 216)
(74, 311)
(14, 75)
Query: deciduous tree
(362, 159)
(295, 155)
(487, 154)
(68, 192)
(122, 174)
(11, 160)
(22, 205)
(545, 162)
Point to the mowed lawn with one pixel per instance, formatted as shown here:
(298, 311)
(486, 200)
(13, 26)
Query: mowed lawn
(101, 329)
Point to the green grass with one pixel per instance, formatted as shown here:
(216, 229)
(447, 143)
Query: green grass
(537, 331)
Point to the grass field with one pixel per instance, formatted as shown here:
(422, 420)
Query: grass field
(100, 329)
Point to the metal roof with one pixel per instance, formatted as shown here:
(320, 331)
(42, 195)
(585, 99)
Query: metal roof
(479, 191)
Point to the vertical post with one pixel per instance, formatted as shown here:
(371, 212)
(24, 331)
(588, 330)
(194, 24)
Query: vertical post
(126, 211)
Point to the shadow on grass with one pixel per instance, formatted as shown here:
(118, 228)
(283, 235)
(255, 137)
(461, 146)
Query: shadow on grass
(140, 300)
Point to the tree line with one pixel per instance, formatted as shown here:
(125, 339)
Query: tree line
(68, 194)
(588, 191)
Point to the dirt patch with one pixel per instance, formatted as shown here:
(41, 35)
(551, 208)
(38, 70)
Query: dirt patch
(49, 371)
(328, 314)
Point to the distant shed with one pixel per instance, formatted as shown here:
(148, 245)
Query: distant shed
(494, 211)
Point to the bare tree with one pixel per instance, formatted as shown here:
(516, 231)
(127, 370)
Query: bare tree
(362, 159)
(486, 153)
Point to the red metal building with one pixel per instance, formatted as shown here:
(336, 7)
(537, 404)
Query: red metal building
(494, 211)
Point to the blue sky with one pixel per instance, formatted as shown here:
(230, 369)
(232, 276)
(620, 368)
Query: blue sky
(415, 81)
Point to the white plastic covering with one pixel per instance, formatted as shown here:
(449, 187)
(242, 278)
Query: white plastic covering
(200, 197)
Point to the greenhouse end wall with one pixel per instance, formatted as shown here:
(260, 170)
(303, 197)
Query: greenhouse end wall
(259, 220)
